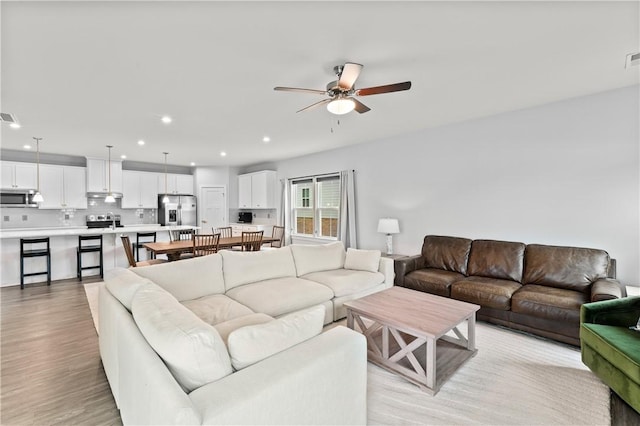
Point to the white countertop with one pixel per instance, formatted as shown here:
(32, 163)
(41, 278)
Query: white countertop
(64, 231)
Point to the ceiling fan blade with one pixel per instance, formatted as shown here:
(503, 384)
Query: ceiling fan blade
(360, 107)
(322, 102)
(350, 73)
(297, 89)
(397, 87)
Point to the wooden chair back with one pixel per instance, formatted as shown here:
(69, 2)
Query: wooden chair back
(205, 244)
(224, 232)
(128, 250)
(251, 241)
(181, 234)
(278, 232)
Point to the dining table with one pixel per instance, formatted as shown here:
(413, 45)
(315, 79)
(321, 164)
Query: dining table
(173, 249)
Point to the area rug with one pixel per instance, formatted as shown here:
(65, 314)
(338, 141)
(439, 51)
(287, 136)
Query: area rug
(515, 379)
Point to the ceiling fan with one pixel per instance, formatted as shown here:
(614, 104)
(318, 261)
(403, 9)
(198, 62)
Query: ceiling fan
(341, 92)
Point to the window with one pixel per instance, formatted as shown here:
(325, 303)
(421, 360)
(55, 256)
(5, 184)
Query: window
(316, 206)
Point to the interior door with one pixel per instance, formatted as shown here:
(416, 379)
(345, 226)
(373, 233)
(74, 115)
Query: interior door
(213, 208)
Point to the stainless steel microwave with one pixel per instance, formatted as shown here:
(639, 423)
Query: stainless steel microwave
(17, 199)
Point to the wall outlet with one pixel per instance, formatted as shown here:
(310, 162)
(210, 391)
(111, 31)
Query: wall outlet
(141, 215)
(66, 216)
(6, 218)
(25, 217)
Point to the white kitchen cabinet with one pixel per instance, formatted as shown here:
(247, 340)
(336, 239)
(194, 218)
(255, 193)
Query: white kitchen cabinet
(63, 187)
(176, 184)
(17, 175)
(139, 190)
(237, 229)
(98, 175)
(257, 190)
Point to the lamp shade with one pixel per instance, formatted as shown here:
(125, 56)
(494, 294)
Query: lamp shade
(388, 226)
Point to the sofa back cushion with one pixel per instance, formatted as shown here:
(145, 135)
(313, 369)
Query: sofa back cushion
(496, 259)
(123, 284)
(572, 268)
(316, 258)
(193, 350)
(189, 278)
(447, 253)
(362, 260)
(252, 266)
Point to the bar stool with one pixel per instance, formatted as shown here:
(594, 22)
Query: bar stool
(89, 248)
(34, 252)
(141, 238)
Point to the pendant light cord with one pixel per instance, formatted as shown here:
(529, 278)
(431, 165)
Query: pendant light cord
(38, 162)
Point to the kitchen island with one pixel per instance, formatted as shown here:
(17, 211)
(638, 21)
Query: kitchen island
(64, 241)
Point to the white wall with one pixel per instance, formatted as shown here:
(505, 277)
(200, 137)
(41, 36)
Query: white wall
(566, 173)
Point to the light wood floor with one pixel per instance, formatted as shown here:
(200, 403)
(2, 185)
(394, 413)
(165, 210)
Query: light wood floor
(51, 371)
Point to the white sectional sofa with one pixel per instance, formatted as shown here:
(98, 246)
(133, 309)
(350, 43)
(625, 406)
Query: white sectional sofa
(236, 337)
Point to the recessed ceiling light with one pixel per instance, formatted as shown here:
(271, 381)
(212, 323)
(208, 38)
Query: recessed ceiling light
(223, 154)
(166, 119)
(192, 164)
(27, 147)
(140, 142)
(266, 139)
(123, 156)
(15, 125)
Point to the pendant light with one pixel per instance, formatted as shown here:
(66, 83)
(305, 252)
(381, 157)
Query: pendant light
(109, 198)
(37, 197)
(165, 199)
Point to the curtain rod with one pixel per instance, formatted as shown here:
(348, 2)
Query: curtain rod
(321, 175)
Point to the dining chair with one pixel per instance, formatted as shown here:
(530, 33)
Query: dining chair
(128, 250)
(205, 244)
(276, 232)
(181, 234)
(251, 241)
(224, 232)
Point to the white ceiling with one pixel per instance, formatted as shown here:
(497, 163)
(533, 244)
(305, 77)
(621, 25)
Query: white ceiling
(82, 75)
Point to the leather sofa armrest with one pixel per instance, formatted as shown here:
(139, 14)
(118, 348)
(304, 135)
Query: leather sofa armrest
(617, 312)
(404, 265)
(606, 289)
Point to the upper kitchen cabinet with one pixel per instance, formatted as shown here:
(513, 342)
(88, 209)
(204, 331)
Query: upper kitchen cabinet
(63, 187)
(176, 184)
(139, 190)
(257, 190)
(98, 175)
(16, 175)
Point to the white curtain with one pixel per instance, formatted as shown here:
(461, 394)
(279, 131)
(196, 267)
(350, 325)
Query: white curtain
(284, 211)
(347, 232)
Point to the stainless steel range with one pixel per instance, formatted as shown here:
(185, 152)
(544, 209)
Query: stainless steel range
(103, 221)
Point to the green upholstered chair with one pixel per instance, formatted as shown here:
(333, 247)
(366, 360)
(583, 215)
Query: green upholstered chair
(610, 349)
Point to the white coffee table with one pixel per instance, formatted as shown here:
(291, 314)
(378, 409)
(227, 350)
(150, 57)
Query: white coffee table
(415, 319)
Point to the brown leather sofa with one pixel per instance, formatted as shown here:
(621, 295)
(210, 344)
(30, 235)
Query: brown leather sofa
(529, 287)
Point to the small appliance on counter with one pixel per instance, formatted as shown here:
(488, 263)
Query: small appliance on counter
(245, 217)
(103, 221)
(180, 210)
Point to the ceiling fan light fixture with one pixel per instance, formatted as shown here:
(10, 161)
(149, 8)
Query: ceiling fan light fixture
(341, 106)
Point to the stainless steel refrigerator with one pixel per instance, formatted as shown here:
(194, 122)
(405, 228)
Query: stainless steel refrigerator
(180, 210)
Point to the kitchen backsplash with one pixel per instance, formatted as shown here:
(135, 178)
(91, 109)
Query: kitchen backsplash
(260, 217)
(35, 218)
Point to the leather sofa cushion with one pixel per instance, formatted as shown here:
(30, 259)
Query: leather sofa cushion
(496, 259)
(572, 268)
(447, 253)
(548, 302)
(434, 281)
(216, 308)
(346, 281)
(486, 292)
(281, 296)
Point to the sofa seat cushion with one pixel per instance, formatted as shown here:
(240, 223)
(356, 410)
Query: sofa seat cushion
(251, 344)
(225, 328)
(434, 281)
(549, 302)
(216, 308)
(281, 296)
(346, 281)
(193, 350)
(486, 292)
(618, 345)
